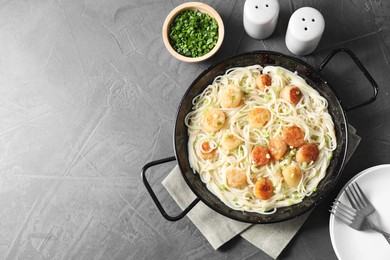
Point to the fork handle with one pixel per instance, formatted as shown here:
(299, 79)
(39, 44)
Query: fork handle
(375, 228)
(387, 239)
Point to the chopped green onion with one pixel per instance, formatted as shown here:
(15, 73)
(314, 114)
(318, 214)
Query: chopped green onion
(222, 187)
(193, 33)
(326, 141)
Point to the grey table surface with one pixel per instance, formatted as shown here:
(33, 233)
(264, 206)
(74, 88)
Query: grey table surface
(88, 95)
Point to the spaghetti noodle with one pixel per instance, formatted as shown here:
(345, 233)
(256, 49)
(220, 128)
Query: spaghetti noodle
(260, 138)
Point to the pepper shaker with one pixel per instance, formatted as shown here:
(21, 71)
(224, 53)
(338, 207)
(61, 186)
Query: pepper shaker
(260, 17)
(304, 30)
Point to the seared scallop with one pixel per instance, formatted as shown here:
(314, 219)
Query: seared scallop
(236, 178)
(294, 136)
(206, 151)
(260, 155)
(213, 119)
(307, 153)
(292, 94)
(262, 81)
(292, 175)
(258, 117)
(230, 141)
(277, 147)
(263, 189)
(231, 96)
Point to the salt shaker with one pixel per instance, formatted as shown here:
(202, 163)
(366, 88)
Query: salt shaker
(304, 30)
(260, 17)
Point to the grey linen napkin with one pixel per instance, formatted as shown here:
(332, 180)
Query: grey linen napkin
(219, 229)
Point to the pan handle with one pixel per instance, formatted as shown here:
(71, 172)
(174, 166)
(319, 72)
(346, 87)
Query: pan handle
(153, 195)
(362, 69)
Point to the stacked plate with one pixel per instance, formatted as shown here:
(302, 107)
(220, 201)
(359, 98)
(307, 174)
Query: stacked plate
(350, 244)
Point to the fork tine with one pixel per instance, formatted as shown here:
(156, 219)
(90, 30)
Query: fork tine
(341, 218)
(356, 193)
(351, 198)
(345, 210)
(342, 213)
(361, 194)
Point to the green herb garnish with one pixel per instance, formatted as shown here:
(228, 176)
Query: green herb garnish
(222, 187)
(193, 33)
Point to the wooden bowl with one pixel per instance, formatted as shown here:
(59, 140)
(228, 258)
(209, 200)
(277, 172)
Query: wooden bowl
(192, 6)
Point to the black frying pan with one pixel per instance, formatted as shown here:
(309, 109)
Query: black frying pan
(314, 79)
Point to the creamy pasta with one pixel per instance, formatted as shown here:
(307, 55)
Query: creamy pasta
(260, 138)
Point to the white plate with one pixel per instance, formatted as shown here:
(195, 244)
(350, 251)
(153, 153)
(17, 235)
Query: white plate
(350, 244)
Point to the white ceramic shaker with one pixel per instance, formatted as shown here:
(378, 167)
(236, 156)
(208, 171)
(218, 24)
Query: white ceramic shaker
(304, 30)
(260, 17)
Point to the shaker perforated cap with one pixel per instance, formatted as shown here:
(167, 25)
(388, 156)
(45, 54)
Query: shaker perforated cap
(260, 17)
(304, 30)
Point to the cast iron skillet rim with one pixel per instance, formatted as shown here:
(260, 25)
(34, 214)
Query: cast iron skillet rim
(336, 174)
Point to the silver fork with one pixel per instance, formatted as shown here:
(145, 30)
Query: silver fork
(359, 201)
(354, 218)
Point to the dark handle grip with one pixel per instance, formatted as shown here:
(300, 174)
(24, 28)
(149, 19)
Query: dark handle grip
(362, 69)
(154, 197)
